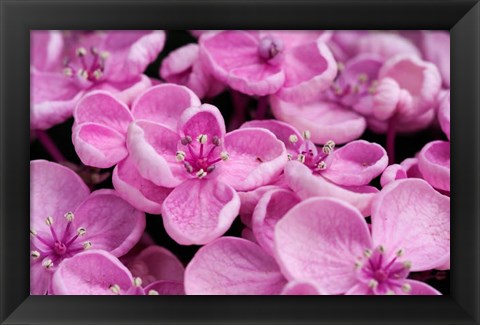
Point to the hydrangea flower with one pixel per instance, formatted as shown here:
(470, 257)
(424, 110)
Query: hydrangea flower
(70, 64)
(65, 219)
(327, 241)
(295, 65)
(97, 272)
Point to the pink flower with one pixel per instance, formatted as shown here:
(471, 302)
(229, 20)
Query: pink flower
(66, 219)
(98, 272)
(343, 173)
(183, 66)
(295, 65)
(327, 241)
(67, 66)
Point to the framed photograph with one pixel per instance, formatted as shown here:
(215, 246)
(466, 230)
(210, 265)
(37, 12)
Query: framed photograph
(276, 154)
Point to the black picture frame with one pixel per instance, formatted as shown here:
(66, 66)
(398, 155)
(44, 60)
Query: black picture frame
(18, 17)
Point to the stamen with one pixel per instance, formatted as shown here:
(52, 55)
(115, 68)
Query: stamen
(202, 138)
(358, 265)
(293, 138)
(407, 265)
(188, 167)
(289, 156)
(104, 55)
(381, 249)
(406, 288)
(48, 264)
(81, 51)
(367, 253)
(372, 284)
(306, 134)
(137, 282)
(390, 293)
(216, 141)
(35, 254)
(186, 140)
(87, 245)
(210, 168)
(33, 232)
(81, 231)
(49, 221)
(400, 252)
(94, 50)
(115, 288)
(224, 155)
(322, 165)
(83, 73)
(340, 66)
(201, 174)
(69, 216)
(301, 158)
(153, 292)
(68, 72)
(328, 147)
(362, 77)
(180, 155)
(97, 74)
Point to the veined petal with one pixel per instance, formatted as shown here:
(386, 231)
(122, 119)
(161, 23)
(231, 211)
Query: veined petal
(421, 288)
(300, 288)
(434, 164)
(205, 119)
(282, 131)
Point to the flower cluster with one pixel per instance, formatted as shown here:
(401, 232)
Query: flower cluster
(243, 162)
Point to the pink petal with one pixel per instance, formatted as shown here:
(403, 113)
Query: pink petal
(40, 279)
(247, 234)
(152, 149)
(259, 79)
(111, 223)
(357, 163)
(434, 164)
(296, 288)
(46, 49)
(444, 114)
(386, 45)
(409, 214)
(325, 121)
(256, 158)
(309, 68)
(319, 240)
(164, 104)
(301, 180)
(436, 48)
(386, 99)
(90, 273)
(126, 92)
(178, 63)
(360, 289)
(420, 288)
(205, 119)
(392, 173)
(166, 288)
(250, 200)
(232, 266)
(411, 167)
(270, 209)
(282, 131)
(136, 190)
(54, 191)
(198, 211)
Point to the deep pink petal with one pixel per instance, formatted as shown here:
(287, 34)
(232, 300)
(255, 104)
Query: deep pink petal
(434, 164)
(319, 240)
(411, 167)
(301, 180)
(392, 173)
(420, 288)
(409, 214)
(256, 158)
(136, 190)
(325, 121)
(357, 163)
(164, 104)
(199, 211)
(233, 266)
(166, 288)
(111, 223)
(269, 210)
(282, 131)
(296, 288)
(205, 119)
(91, 273)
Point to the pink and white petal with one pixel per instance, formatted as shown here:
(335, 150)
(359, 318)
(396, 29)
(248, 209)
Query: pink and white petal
(359, 289)
(205, 119)
(386, 99)
(199, 211)
(294, 38)
(111, 223)
(270, 209)
(126, 92)
(233, 266)
(325, 121)
(166, 288)
(40, 279)
(436, 48)
(387, 45)
(411, 167)
(319, 241)
(282, 131)
(421, 288)
(356, 163)
(177, 64)
(98, 145)
(46, 47)
(54, 191)
(131, 52)
(309, 68)
(409, 214)
(259, 79)
(164, 104)
(306, 185)
(256, 158)
(91, 272)
(445, 266)
(392, 173)
(297, 288)
(434, 164)
(161, 264)
(50, 113)
(152, 149)
(136, 190)
(444, 114)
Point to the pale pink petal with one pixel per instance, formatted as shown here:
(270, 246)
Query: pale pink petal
(386, 45)
(126, 92)
(392, 173)
(270, 209)
(164, 104)
(325, 121)
(40, 278)
(301, 180)
(247, 234)
(46, 48)
(232, 266)
(176, 67)
(434, 164)
(319, 240)
(360, 289)
(259, 79)
(166, 288)
(111, 223)
(445, 266)
(152, 149)
(309, 68)
(256, 158)
(296, 288)
(136, 190)
(199, 211)
(436, 48)
(282, 131)
(91, 273)
(250, 200)
(444, 114)
(411, 167)
(420, 288)
(385, 99)
(54, 191)
(357, 163)
(410, 215)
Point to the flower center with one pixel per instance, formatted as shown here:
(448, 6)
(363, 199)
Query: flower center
(200, 157)
(54, 246)
(348, 90)
(383, 275)
(86, 66)
(270, 47)
(308, 154)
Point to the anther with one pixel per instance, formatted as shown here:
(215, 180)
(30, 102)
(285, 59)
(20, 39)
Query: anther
(289, 156)
(293, 138)
(210, 168)
(104, 55)
(35, 254)
(153, 292)
(328, 147)
(83, 73)
(137, 282)
(202, 138)
(407, 265)
(301, 158)
(224, 155)
(33, 232)
(188, 167)
(381, 249)
(49, 221)
(48, 264)
(115, 288)
(340, 66)
(390, 293)
(399, 253)
(406, 288)
(306, 134)
(358, 265)
(97, 74)
(362, 77)
(81, 51)
(322, 165)
(87, 245)
(81, 231)
(186, 140)
(201, 173)
(68, 72)
(367, 253)
(216, 141)
(372, 284)
(94, 50)
(69, 216)
(180, 155)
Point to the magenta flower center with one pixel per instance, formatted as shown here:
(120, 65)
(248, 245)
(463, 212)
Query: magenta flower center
(270, 47)
(201, 156)
(308, 154)
(86, 65)
(383, 275)
(55, 245)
